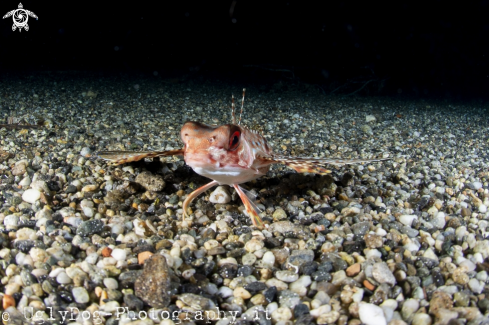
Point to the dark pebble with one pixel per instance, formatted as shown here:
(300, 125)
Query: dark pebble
(238, 252)
(127, 279)
(438, 278)
(245, 270)
(228, 271)
(144, 248)
(308, 268)
(324, 222)
(190, 288)
(483, 305)
(270, 293)
(299, 310)
(361, 228)
(65, 295)
(353, 246)
(256, 286)
(216, 279)
(321, 276)
(71, 189)
(337, 262)
(381, 294)
(272, 242)
(326, 266)
(90, 227)
(414, 281)
(25, 245)
(187, 255)
(233, 245)
(326, 210)
(428, 262)
(208, 267)
(422, 272)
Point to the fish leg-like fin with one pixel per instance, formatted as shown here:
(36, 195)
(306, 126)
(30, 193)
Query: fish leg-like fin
(250, 207)
(194, 194)
(122, 157)
(315, 165)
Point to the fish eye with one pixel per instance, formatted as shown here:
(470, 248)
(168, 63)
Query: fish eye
(234, 140)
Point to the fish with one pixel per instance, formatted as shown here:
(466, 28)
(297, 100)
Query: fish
(230, 154)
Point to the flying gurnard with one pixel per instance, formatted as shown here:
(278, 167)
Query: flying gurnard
(230, 154)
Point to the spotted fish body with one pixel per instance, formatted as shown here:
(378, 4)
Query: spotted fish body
(230, 154)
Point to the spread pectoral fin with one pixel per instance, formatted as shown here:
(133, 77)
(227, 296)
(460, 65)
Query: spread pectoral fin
(316, 165)
(122, 157)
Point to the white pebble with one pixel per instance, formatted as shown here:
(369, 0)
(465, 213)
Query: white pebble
(220, 195)
(482, 208)
(11, 220)
(300, 286)
(482, 276)
(407, 219)
(321, 310)
(26, 181)
(370, 118)
(111, 283)
(421, 319)
(269, 258)
(63, 278)
(31, 195)
(468, 264)
(225, 292)
(475, 286)
(118, 254)
(371, 314)
(429, 253)
(439, 220)
(277, 283)
(286, 276)
(409, 307)
(81, 295)
(476, 185)
(248, 259)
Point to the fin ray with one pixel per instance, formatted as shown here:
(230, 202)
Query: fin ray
(122, 157)
(316, 165)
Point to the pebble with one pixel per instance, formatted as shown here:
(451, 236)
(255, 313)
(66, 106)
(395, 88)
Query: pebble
(31, 195)
(407, 219)
(151, 182)
(382, 274)
(220, 195)
(119, 254)
(371, 314)
(90, 227)
(80, 295)
(154, 283)
(281, 314)
(286, 276)
(475, 286)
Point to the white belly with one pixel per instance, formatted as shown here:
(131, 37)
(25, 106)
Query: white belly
(229, 176)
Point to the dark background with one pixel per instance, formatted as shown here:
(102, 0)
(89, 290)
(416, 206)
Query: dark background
(413, 48)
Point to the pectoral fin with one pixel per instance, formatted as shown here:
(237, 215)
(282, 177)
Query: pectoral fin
(122, 157)
(316, 165)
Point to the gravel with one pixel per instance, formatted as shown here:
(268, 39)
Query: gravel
(397, 242)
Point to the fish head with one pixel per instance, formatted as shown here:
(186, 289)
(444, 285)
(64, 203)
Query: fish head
(227, 153)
